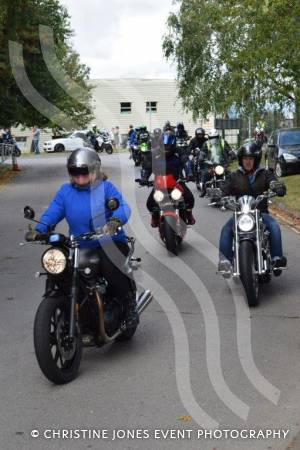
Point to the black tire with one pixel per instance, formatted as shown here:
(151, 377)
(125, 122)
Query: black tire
(59, 148)
(247, 269)
(170, 236)
(109, 150)
(126, 335)
(17, 152)
(45, 339)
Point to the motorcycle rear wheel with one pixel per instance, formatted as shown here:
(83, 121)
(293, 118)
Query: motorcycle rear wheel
(247, 270)
(109, 149)
(51, 323)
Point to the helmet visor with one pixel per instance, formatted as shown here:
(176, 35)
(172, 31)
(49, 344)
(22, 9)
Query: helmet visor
(77, 171)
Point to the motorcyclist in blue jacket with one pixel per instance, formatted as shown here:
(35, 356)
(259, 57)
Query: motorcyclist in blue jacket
(83, 203)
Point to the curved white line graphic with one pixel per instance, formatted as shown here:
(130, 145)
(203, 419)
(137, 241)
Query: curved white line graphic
(272, 393)
(205, 302)
(42, 105)
(58, 73)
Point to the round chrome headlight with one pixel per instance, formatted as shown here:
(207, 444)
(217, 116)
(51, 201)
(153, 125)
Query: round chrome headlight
(219, 170)
(246, 222)
(176, 194)
(159, 196)
(54, 261)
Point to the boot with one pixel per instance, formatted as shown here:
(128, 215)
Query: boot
(132, 317)
(155, 219)
(278, 264)
(190, 218)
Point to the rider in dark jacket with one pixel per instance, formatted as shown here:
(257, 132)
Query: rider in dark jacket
(250, 179)
(165, 161)
(198, 140)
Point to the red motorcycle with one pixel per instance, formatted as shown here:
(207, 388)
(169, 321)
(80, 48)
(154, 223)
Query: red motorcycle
(168, 194)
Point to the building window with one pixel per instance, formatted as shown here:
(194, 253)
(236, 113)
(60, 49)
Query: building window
(151, 107)
(126, 108)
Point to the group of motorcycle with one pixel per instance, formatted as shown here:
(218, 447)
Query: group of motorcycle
(77, 309)
(252, 261)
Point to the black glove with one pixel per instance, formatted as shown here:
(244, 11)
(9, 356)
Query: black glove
(111, 227)
(280, 190)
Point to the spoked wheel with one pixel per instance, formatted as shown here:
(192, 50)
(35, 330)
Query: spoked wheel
(58, 358)
(249, 276)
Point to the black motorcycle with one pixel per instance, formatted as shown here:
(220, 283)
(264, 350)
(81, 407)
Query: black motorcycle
(76, 309)
(252, 261)
(217, 174)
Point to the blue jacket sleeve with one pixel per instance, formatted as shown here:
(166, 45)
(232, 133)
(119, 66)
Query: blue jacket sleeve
(123, 212)
(53, 214)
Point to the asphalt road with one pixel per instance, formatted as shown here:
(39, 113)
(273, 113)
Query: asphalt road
(198, 360)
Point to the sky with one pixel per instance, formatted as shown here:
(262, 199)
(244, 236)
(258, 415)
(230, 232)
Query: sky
(121, 38)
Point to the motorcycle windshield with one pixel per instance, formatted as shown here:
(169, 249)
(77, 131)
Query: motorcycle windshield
(215, 154)
(246, 202)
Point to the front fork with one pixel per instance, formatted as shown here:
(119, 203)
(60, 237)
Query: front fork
(236, 247)
(74, 295)
(260, 266)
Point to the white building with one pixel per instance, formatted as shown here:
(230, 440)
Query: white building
(124, 102)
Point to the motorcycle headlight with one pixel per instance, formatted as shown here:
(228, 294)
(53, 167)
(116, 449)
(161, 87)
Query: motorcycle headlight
(159, 196)
(219, 170)
(246, 222)
(54, 261)
(176, 194)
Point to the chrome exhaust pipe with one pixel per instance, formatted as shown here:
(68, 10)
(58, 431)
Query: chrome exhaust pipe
(144, 300)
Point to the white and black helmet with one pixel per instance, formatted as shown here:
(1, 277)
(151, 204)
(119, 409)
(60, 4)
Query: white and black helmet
(213, 134)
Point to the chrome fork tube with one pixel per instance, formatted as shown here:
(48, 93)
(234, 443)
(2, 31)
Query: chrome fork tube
(258, 243)
(237, 245)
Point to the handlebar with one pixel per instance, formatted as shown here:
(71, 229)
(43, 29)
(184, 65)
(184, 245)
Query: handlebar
(233, 204)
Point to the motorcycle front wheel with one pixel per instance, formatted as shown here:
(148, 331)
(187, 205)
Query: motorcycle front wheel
(58, 360)
(248, 273)
(169, 235)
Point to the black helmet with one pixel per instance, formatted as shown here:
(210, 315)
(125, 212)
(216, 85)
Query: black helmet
(200, 132)
(251, 150)
(180, 126)
(167, 126)
(83, 160)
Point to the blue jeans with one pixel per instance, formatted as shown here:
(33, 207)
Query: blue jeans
(272, 226)
(36, 147)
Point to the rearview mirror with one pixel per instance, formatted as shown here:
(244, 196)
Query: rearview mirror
(29, 213)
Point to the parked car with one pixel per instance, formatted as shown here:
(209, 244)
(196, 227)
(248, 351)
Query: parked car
(69, 143)
(283, 151)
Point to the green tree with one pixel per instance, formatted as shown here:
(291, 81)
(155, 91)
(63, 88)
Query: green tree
(19, 22)
(245, 53)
